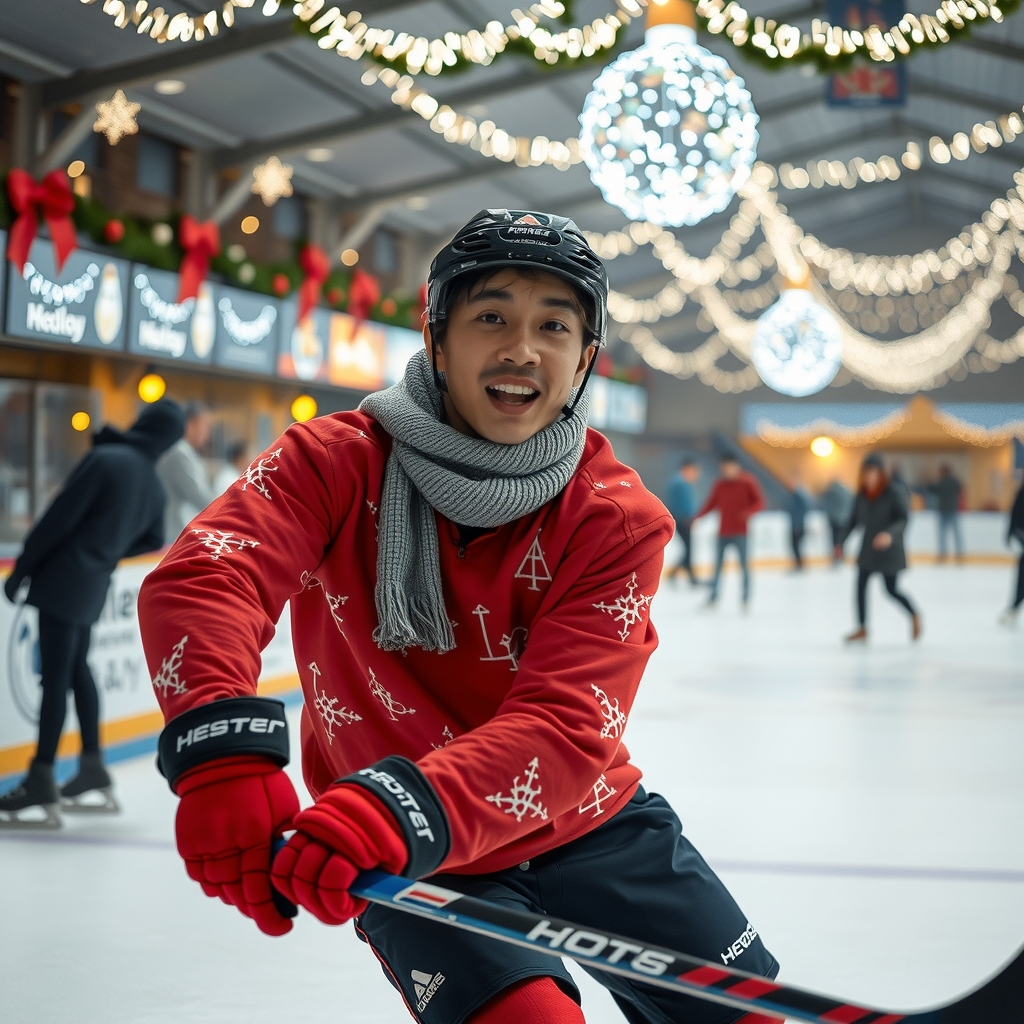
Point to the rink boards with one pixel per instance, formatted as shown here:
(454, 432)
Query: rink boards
(131, 719)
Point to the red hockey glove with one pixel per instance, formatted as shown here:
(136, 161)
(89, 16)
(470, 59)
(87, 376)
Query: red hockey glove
(345, 832)
(230, 811)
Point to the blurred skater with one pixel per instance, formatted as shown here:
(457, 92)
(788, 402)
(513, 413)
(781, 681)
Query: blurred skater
(737, 496)
(111, 507)
(232, 467)
(799, 504)
(947, 491)
(184, 475)
(1015, 532)
(880, 508)
(836, 502)
(682, 504)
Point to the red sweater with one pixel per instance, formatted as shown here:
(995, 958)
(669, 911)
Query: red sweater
(519, 728)
(736, 500)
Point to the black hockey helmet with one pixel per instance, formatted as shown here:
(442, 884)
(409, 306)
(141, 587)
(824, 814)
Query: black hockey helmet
(521, 238)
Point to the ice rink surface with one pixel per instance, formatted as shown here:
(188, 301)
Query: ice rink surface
(865, 806)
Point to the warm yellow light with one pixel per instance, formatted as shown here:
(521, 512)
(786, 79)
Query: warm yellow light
(250, 224)
(303, 408)
(152, 387)
(350, 257)
(80, 421)
(75, 168)
(823, 447)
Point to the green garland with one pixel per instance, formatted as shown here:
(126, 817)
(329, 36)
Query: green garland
(827, 64)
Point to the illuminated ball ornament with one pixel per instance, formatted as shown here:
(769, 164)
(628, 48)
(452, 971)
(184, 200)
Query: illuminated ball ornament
(797, 348)
(669, 131)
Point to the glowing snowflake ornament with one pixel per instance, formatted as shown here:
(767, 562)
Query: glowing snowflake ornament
(669, 130)
(797, 348)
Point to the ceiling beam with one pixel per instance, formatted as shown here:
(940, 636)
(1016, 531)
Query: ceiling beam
(391, 116)
(994, 48)
(424, 186)
(169, 61)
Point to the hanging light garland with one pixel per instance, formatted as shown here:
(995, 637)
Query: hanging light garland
(953, 343)
(831, 48)
(410, 54)
(163, 27)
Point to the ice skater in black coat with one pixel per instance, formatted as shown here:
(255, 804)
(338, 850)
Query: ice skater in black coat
(111, 507)
(881, 509)
(1015, 532)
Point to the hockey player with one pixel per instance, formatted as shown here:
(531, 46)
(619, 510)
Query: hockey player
(470, 574)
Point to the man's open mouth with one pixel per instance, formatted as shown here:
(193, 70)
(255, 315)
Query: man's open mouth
(513, 394)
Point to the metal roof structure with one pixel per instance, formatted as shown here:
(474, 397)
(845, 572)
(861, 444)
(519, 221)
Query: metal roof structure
(261, 89)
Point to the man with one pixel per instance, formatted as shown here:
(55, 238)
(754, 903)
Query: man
(736, 496)
(799, 506)
(470, 573)
(947, 490)
(184, 475)
(111, 507)
(682, 504)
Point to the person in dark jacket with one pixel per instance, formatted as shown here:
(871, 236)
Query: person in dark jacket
(880, 508)
(947, 491)
(111, 507)
(683, 504)
(1015, 532)
(798, 505)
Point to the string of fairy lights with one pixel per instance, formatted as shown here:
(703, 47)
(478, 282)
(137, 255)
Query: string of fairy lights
(351, 37)
(940, 299)
(781, 42)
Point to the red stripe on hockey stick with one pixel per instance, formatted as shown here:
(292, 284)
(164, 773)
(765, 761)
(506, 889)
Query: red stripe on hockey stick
(752, 988)
(704, 976)
(846, 1014)
(889, 1018)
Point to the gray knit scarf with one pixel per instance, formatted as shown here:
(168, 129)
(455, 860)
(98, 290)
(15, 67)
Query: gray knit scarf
(468, 480)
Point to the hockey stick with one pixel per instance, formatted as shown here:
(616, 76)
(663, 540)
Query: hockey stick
(998, 1001)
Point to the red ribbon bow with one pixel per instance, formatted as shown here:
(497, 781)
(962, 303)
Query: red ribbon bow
(363, 294)
(201, 242)
(316, 265)
(53, 198)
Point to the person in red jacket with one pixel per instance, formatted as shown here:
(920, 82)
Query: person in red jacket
(737, 497)
(470, 573)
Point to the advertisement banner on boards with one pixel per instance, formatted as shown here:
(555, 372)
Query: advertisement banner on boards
(869, 84)
(116, 658)
(247, 330)
(160, 326)
(615, 405)
(83, 305)
(302, 354)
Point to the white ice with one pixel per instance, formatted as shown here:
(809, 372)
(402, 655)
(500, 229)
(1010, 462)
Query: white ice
(865, 806)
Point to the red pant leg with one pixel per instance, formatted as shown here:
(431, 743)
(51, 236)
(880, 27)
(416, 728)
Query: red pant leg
(532, 1001)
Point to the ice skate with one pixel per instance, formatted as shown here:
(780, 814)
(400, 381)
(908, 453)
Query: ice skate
(915, 627)
(91, 791)
(857, 636)
(36, 794)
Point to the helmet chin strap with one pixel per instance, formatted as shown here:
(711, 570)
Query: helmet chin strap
(568, 411)
(439, 382)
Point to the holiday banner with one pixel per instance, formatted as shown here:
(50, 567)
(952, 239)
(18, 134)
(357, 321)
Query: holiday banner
(160, 326)
(303, 347)
(247, 330)
(869, 84)
(356, 353)
(118, 662)
(83, 305)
